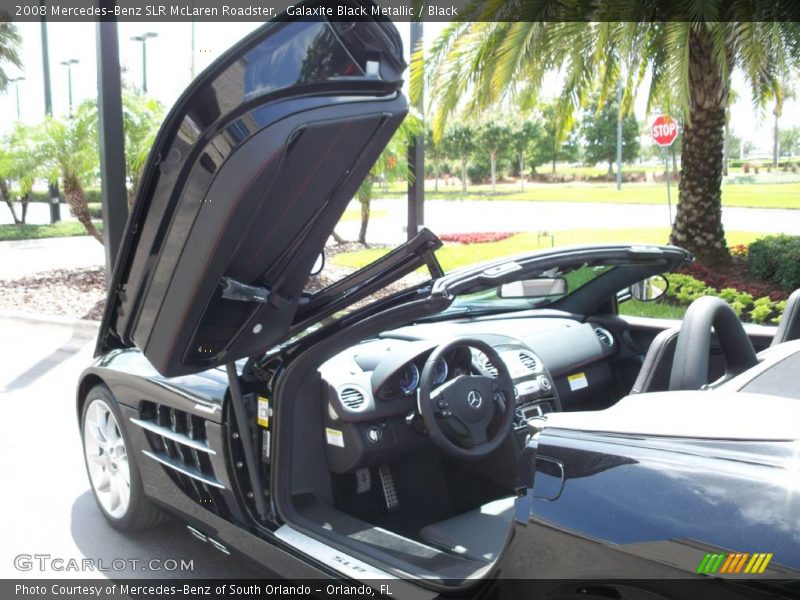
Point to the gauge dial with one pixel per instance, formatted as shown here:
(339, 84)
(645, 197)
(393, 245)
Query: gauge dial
(409, 379)
(440, 372)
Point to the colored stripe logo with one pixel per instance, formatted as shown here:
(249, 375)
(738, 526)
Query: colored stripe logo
(735, 563)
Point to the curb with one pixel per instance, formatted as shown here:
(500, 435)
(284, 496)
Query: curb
(80, 328)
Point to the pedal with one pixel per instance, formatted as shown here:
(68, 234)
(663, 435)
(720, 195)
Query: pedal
(363, 481)
(389, 489)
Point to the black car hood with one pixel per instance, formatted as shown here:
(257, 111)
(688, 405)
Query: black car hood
(248, 176)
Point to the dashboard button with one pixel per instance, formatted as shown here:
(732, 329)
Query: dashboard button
(374, 434)
(544, 383)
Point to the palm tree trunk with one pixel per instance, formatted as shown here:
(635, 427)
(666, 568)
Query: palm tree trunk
(464, 174)
(76, 198)
(435, 172)
(7, 199)
(522, 170)
(362, 232)
(698, 219)
(24, 200)
(337, 238)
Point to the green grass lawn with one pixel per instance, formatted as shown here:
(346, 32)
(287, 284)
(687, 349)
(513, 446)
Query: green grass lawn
(655, 309)
(29, 232)
(751, 195)
(453, 256)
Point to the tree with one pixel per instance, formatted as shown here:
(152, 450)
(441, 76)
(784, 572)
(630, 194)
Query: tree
(141, 117)
(782, 92)
(493, 136)
(391, 163)
(522, 134)
(684, 46)
(67, 148)
(789, 140)
(458, 143)
(552, 146)
(18, 167)
(599, 130)
(10, 43)
(5, 190)
(434, 150)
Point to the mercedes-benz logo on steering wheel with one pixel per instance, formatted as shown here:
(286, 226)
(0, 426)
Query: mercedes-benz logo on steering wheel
(474, 399)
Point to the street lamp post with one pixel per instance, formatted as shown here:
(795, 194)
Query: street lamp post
(68, 64)
(143, 38)
(16, 81)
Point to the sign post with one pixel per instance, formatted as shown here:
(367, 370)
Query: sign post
(664, 131)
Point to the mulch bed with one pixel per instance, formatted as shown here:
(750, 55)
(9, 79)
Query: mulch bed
(78, 293)
(81, 292)
(735, 275)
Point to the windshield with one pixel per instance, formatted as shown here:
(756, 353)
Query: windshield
(531, 292)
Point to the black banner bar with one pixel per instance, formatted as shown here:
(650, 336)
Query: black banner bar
(402, 10)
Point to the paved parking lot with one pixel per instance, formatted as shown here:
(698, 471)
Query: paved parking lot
(46, 506)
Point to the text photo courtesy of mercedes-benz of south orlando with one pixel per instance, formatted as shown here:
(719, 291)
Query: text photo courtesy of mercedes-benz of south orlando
(400, 299)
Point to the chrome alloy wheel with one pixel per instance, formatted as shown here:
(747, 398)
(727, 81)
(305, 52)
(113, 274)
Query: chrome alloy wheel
(106, 459)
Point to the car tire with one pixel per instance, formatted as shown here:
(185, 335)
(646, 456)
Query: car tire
(112, 468)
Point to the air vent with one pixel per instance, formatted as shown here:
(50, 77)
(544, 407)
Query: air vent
(353, 398)
(482, 361)
(178, 441)
(530, 362)
(489, 368)
(604, 336)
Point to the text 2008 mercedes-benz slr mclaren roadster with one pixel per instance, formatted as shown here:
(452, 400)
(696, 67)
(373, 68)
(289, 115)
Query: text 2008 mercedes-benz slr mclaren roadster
(500, 421)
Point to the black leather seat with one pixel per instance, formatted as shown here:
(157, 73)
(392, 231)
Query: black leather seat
(789, 327)
(657, 367)
(480, 534)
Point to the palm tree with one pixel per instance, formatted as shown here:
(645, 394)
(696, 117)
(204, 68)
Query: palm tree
(67, 148)
(686, 46)
(141, 116)
(9, 51)
(18, 166)
(782, 93)
(390, 164)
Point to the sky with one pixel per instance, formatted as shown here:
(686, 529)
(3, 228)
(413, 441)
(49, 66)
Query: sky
(169, 70)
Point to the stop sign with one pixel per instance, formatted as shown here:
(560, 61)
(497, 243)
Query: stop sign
(664, 130)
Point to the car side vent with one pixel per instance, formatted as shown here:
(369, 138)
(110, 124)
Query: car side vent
(179, 442)
(530, 362)
(490, 368)
(353, 398)
(604, 336)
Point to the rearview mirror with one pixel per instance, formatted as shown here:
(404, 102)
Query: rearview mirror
(649, 289)
(319, 264)
(534, 288)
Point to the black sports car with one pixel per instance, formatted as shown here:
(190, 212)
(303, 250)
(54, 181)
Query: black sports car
(500, 421)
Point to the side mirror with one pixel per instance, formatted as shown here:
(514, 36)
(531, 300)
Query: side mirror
(319, 264)
(649, 289)
(533, 288)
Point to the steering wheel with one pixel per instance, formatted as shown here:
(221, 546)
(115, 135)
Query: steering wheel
(466, 406)
(690, 364)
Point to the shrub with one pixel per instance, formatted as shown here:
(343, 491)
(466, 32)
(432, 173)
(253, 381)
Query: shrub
(715, 279)
(776, 258)
(684, 289)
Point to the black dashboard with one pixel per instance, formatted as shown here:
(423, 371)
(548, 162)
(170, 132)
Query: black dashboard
(370, 390)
